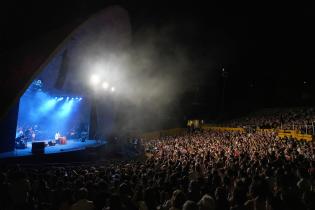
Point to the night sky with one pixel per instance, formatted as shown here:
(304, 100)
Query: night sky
(267, 49)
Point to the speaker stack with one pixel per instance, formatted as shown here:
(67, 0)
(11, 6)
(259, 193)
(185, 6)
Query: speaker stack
(38, 148)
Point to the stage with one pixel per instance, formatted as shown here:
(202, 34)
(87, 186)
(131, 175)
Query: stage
(72, 145)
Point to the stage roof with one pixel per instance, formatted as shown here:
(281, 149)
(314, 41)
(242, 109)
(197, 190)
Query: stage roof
(110, 26)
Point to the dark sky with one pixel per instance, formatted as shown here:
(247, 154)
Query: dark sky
(267, 49)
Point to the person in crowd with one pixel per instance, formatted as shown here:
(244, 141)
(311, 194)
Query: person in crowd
(190, 205)
(82, 202)
(206, 203)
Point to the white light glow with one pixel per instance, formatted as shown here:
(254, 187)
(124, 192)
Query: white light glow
(95, 79)
(112, 89)
(105, 85)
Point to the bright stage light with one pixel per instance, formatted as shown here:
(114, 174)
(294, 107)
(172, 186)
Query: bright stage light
(66, 108)
(105, 85)
(67, 98)
(95, 79)
(47, 106)
(80, 99)
(112, 89)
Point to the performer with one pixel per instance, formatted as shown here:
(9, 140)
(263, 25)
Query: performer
(30, 134)
(20, 132)
(33, 136)
(57, 136)
(36, 130)
(72, 134)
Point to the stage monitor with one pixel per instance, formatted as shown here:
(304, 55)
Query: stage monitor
(38, 147)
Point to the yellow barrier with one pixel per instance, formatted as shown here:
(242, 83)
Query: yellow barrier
(305, 137)
(294, 134)
(209, 127)
(195, 123)
(266, 129)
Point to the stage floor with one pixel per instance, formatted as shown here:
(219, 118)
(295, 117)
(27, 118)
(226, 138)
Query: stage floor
(72, 145)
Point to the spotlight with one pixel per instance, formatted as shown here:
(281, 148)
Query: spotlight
(112, 89)
(72, 98)
(95, 79)
(67, 98)
(80, 99)
(105, 85)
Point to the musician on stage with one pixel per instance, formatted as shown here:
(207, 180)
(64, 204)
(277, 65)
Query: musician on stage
(33, 134)
(57, 136)
(20, 132)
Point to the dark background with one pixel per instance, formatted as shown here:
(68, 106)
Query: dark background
(267, 49)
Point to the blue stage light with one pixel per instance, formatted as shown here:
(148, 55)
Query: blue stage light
(47, 105)
(65, 109)
(52, 113)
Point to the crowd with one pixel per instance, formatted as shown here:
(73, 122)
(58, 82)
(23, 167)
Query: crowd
(290, 118)
(204, 170)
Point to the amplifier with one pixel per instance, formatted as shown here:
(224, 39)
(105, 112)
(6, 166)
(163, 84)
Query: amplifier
(38, 147)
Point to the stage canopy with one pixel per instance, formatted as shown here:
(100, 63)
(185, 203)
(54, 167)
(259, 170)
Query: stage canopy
(61, 60)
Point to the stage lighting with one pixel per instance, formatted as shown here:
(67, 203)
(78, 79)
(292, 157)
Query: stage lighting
(65, 109)
(112, 89)
(47, 106)
(105, 85)
(80, 99)
(95, 79)
(67, 98)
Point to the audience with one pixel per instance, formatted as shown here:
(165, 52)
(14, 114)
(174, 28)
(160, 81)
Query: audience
(204, 170)
(291, 118)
